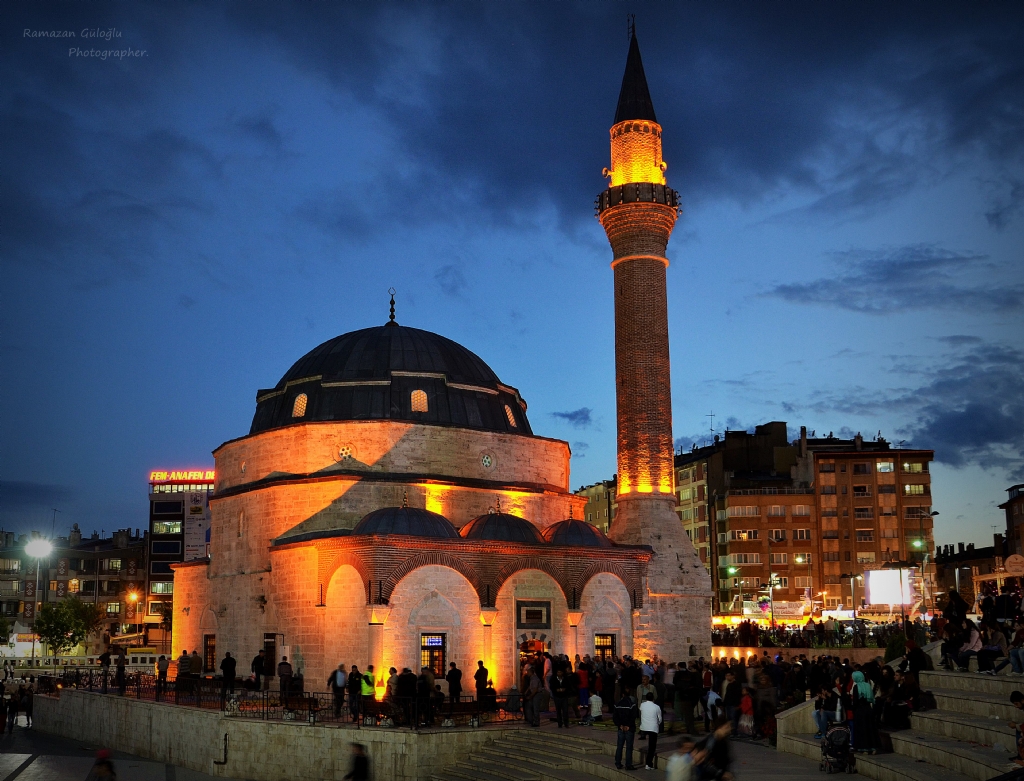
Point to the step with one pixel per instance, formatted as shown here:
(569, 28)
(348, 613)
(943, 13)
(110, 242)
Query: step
(971, 759)
(502, 767)
(497, 753)
(882, 767)
(489, 771)
(561, 746)
(1000, 685)
(976, 704)
(539, 741)
(984, 730)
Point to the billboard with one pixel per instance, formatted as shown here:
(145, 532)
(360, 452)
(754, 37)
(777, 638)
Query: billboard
(889, 586)
(197, 525)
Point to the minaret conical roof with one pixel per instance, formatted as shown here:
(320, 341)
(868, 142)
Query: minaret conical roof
(634, 97)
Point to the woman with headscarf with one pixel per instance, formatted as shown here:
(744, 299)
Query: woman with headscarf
(865, 735)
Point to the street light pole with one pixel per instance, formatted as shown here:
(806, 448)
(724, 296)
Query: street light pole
(38, 549)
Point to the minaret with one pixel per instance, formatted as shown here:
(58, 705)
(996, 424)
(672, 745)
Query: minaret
(638, 212)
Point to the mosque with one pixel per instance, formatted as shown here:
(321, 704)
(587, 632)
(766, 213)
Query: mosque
(391, 504)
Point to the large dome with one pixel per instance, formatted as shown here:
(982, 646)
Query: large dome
(412, 521)
(578, 534)
(501, 527)
(392, 372)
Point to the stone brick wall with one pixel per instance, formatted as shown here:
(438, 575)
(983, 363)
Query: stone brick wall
(386, 446)
(257, 750)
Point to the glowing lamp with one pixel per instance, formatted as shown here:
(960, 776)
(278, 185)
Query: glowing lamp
(917, 543)
(38, 549)
(733, 570)
(133, 597)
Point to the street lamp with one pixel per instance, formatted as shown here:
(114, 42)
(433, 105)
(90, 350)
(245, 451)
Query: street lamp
(38, 549)
(133, 597)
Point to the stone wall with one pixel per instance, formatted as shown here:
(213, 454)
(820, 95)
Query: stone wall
(257, 750)
(389, 447)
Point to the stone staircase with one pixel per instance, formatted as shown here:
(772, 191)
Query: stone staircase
(535, 755)
(966, 738)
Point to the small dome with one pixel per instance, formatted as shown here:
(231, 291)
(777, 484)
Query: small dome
(577, 534)
(412, 521)
(502, 527)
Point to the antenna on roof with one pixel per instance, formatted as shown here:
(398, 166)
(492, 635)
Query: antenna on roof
(630, 27)
(391, 319)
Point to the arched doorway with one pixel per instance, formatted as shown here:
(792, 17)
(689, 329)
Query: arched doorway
(532, 619)
(345, 620)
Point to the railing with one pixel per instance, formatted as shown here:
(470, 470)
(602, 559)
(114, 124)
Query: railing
(298, 705)
(769, 491)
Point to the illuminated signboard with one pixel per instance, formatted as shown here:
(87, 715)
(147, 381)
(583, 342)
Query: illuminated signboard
(182, 476)
(433, 641)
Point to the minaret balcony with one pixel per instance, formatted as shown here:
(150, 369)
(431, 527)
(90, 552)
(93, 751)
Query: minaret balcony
(636, 192)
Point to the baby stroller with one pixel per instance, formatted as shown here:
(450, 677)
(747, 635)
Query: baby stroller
(836, 755)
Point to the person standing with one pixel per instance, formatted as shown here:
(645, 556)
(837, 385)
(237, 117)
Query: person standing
(257, 667)
(104, 667)
(355, 688)
(284, 678)
(337, 681)
(624, 717)
(227, 666)
(650, 725)
(480, 679)
(454, 678)
(122, 678)
(367, 692)
(731, 699)
(561, 690)
(531, 697)
(162, 665)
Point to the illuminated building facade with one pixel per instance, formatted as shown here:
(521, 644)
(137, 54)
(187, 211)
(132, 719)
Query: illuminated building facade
(1014, 509)
(179, 530)
(638, 212)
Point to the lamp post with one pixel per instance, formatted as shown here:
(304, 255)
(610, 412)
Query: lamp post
(810, 580)
(38, 549)
(133, 597)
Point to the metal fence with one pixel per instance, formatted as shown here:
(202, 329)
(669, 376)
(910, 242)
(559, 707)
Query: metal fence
(298, 705)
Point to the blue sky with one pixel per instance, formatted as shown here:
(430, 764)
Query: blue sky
(180, 225)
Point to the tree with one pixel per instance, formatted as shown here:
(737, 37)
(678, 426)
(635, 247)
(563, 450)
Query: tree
(59, 626)
(88, 614)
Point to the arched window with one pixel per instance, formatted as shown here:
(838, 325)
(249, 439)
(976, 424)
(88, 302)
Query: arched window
(299, 407)
(510, 416)
(419, 401)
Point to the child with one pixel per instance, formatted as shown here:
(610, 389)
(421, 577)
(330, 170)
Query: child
(746, 725)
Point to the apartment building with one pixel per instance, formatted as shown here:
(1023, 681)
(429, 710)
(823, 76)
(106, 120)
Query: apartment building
(809, 515)
(601, 506)
(1014, 509)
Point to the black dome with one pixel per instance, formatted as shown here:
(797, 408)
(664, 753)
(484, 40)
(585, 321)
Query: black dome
(372, 374)
(411, 521)
(578, 534)
(502, 527)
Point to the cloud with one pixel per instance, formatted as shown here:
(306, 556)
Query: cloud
(579, 449)
(451, 280)
(577, 418)
(972, 411)
(907, 278)
(968, 408)
(1006, 201)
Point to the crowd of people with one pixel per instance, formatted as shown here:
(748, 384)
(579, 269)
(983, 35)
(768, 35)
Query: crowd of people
(823, 633)
(16, 698)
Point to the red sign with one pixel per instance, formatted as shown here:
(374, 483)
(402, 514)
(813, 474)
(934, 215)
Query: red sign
(182, 476)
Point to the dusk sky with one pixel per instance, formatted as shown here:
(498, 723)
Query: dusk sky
(180, 224)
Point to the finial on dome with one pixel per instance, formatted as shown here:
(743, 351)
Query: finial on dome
(497, 504)
(391, 319)
(405, 498)
(570, 512)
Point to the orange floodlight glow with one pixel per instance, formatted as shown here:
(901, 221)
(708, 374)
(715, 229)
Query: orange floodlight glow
(636, 153)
